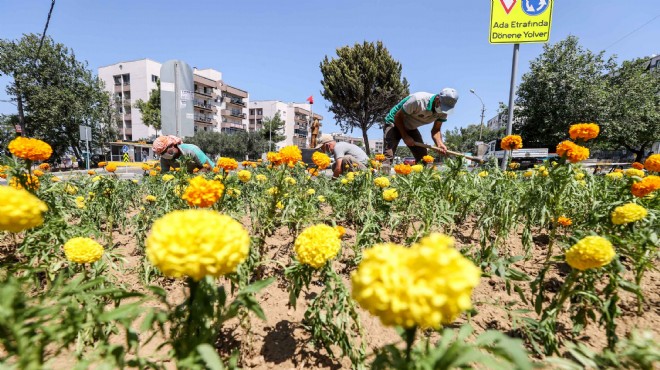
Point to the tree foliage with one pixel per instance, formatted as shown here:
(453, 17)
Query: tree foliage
(633, 121)
(55, 93)
(235, 145)
(362, 84)
(150, 109)
(273, 129)
(564, 85)
(463, 139)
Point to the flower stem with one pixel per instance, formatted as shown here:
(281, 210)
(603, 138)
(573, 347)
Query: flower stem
(410, 338)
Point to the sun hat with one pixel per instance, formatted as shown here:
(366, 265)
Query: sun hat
(164, 142)
(448, 99)
(324, 139)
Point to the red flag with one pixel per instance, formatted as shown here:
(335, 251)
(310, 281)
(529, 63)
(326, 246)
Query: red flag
(311, 99)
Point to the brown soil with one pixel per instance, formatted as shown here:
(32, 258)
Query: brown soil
(280, 342)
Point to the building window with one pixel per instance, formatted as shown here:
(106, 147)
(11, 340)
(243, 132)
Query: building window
(154, 78)
(117, 80)
(127, 79)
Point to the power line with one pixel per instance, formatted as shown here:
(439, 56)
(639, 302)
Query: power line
(633, 31)
(43, 35)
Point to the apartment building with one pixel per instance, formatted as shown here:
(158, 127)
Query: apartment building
(217, 105)
(338, 136)
(376, 146)
(297, 119)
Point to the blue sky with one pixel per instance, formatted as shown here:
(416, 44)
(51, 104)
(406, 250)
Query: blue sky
(273, 48)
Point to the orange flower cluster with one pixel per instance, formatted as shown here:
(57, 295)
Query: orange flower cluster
(30, 149)
(403, 169)
(571, 151)
(38, 173)
(202, 192)
(102, 164)
(31, 181)
(290, 155)
(511, 142)
(564, 221)
(274, 158)
(637, 166)
(652, 163)
(44, 167)
(427, 159)
(584, 131)
(380, 157)
(645, 187)
(227, 164)
(313, 171)
(111, 167)
(249, 164)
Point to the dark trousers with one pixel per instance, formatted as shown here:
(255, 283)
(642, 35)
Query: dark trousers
(391, 140)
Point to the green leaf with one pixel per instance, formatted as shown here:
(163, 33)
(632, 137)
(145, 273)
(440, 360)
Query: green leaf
(210, 357)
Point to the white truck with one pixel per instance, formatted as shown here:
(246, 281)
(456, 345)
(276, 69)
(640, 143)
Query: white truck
(527, 157)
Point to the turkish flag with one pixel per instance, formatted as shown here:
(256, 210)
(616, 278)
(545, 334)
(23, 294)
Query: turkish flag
(311, 99)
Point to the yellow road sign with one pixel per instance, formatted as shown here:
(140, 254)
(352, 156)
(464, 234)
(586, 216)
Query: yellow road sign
(126, 158)
(520, 21)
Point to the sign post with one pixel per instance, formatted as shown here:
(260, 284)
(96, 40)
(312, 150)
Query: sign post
(177, 93)
(515, 22)
(86, 134)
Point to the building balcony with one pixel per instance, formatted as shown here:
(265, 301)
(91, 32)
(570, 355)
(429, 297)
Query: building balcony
(232, 125)
(234, 101)
(234, 91)
(233, 113)
(205, 93)
(203, 119)
(202, 105)
(120, 88)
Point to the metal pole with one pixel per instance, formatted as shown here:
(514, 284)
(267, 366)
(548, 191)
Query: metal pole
(512, 91)
(87, 144)
(311, 119)
(176, 100)
(481, 127)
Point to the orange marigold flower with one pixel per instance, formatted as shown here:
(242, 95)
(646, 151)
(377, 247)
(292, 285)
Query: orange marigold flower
(564, 221)
(511, 142)
(313, 171)
(274, 158)
(146, 167)
(403, 169)
(340, 230)
(645, 187)
(111, 167)
(91, 172)
(652, 163)
(31, 182)
(44, 166)
(584, 131)
(290, 155)
(31, 149)
(637, 166)
(427, 159)
(321, 160)
(227, 164)
(571, 151)
(38, 173)
(380, 157)
(102, 164)
(202, 192)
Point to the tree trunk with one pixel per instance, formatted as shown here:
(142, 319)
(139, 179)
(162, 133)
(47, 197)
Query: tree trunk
(366, 139)
(21, 114)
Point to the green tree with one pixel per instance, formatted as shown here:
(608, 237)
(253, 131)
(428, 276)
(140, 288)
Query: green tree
(150, 109)
(564, 85)
(7, 131)
(54, 93)
(463, 139)
(634, 107)
(236, 145)
(273, 129)
(362, 84)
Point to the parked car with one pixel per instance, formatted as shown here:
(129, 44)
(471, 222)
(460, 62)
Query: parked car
(409, 161)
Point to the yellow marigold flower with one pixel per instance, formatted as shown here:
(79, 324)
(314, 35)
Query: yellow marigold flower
(261, 178)
(417, 168)
(321, 198)
(590, 252)
(96, 178)
(637, 166)
(584, 131)
(44, 166)
(290, 180)
(427, 159)
(244, 175)
(317, 244)
(150, 198)
(30, 149)
(426, 285)
(311, 191)
(290, 155)
(321, 160)
(279, 205)
(31, 181)
(390, 194)
(20, 210)
(111, 167)
(197, 243)
(233, 192)
(528, 173)
(628, 213)
(80, 202)
(274, 158)
(227, 164)
(630, 172)
(379, 157)
(134, 181)
(167, 177)
(340, 230)
(3, 171)
(403, 169)
(70, 189)
(614, 175)
(514, 165)
(202, 192)
(564, 221)
(382, 182)
(153, 173)
(83, 250)
(579, 176)
(38, 173)
(511, 174)
(344, 181)
(511, 142)
(572, 151)
(56, 179)
(483, 174)
(146, 167)
(652, 163)
(273, 190)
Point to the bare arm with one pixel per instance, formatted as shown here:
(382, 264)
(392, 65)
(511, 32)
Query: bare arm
(337, 170)
(398, 123)
(436, 134)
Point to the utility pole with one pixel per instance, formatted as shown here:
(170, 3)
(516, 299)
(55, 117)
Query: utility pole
(483, 112)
